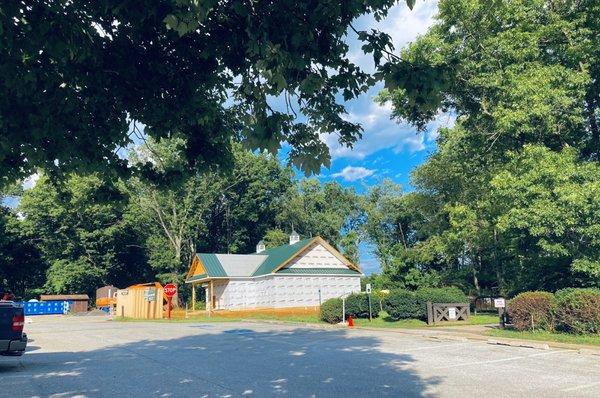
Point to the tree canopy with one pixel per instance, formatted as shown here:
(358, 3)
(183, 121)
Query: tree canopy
(78, 78)
(507, 202)
(514, 72)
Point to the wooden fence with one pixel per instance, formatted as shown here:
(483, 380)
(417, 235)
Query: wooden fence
(444, 312)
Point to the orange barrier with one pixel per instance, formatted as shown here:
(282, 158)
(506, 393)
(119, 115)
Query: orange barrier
(105, 301)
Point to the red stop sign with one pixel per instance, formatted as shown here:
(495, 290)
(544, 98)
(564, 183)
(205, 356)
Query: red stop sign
(170, 290)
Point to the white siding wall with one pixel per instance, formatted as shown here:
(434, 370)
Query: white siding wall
(317, 257)
(280, 291)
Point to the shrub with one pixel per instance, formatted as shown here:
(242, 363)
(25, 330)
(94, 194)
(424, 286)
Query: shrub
(402, 304)
(357, 305)
(577, 310)
(331, 310)
(532, 310)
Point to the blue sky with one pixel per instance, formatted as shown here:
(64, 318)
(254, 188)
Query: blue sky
(387, 149)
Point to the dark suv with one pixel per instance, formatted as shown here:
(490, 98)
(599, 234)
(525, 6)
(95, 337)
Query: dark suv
(12, 319)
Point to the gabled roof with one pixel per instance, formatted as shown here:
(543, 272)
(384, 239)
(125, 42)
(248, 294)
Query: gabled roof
(240, 264)
(277, 255)
(211, 264)
(208, 265)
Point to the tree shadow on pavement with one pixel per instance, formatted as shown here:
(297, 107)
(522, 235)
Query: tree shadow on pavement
(231, 363)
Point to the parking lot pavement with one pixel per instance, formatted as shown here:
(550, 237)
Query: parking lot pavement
(93, 357)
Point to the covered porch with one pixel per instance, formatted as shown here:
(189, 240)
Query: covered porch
(212, 292)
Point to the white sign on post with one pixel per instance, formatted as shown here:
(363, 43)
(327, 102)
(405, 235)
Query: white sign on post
(150, 294)
(452, 313)
(368, 288)
(499, 303)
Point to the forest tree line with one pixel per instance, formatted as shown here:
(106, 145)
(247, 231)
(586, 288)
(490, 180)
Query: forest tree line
(509, 201)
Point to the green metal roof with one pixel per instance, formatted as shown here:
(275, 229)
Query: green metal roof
(274, 258)
(212, 265)
(277, 255)
(319, 271)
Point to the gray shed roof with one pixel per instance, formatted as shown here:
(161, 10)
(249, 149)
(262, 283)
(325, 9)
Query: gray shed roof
(240, 264)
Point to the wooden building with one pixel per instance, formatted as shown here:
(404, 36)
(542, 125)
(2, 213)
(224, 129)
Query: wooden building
(142, 301)
(301, 274)
(77, 302)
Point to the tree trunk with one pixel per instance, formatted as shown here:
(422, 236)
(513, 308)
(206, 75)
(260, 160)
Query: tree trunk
(476, 277)
(497, 265)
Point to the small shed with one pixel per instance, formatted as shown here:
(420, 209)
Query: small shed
(78, 302)
(141, 301)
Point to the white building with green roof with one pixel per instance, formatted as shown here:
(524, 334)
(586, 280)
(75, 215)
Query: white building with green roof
(300, 274)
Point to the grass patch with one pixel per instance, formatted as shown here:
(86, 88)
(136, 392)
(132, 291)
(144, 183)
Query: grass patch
(383, 321)
(547, 336)
(484, 319)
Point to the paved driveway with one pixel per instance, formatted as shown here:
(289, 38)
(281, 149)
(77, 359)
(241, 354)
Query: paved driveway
(93, 357)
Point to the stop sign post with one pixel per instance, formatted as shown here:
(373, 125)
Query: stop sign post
(170, 290)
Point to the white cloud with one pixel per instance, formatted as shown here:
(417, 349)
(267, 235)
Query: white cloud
(379, 132)
(351, 173)
(402, 24)
(31, 181)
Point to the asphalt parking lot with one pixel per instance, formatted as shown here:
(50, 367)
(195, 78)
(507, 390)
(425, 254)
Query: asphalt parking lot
(93, 357)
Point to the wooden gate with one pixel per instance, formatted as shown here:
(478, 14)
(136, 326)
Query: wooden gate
(444, 312)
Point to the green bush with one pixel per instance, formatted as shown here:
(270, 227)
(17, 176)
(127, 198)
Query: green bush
(532, 310)
(357, 305)
(331, 310)
(402, 304)
(577, 310)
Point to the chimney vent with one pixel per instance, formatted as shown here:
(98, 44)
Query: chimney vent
(294, 237)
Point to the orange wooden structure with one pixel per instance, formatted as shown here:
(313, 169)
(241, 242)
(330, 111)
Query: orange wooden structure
(142, 301)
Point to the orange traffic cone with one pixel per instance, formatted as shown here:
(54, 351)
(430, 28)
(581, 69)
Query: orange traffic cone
(350, 321)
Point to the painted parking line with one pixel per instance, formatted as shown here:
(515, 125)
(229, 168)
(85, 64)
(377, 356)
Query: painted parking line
(581, 387)
(458, 365)
(431, 347)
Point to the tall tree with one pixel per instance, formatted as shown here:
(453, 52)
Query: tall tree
(226, 211)
(515, 73)
(328, 210)
(22, 270)
(81, 231)
(549, 208)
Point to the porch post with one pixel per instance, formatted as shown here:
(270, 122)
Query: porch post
(212, 297)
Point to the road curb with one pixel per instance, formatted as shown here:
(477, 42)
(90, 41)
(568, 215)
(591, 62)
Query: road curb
(448, 338)
(519, 343)
(589, 351)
